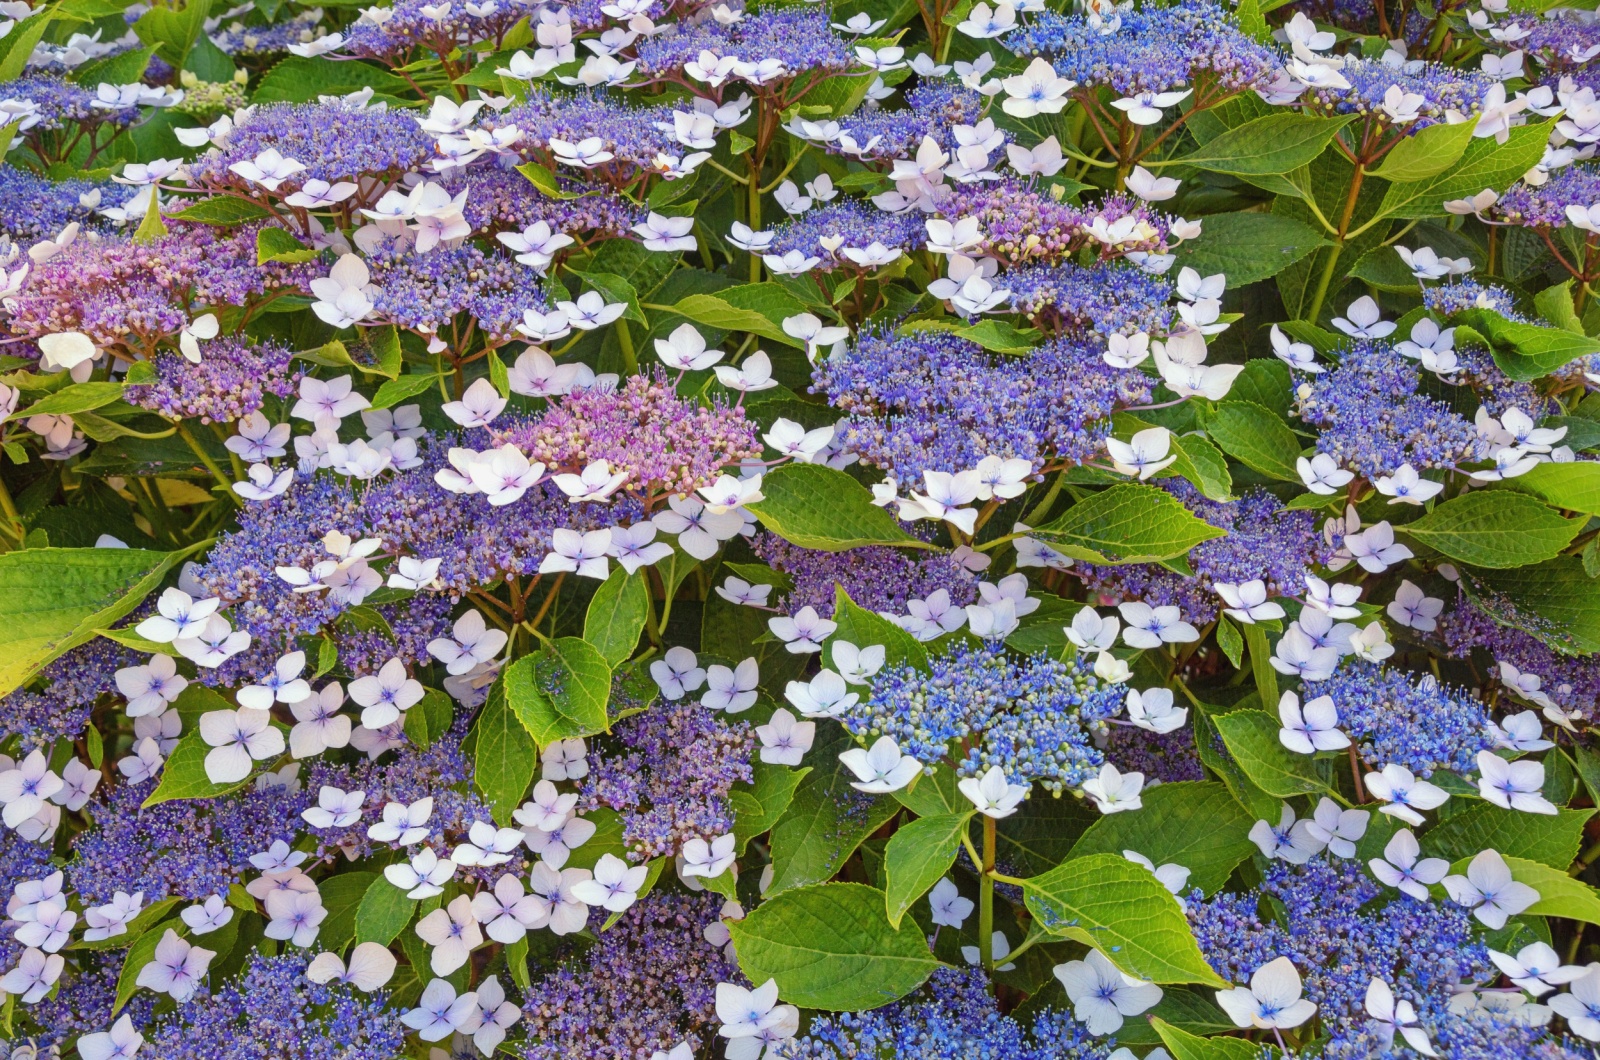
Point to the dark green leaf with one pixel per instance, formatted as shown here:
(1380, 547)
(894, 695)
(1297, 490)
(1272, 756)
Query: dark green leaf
(1256, 437)
(1495, 528)
(1193, 823)
(1128, 523)
(817, 507)
(829, 947)
(505, 757)
(1121, 909)
(1252, 739)
(54, 599)
(617, 614)
(1249, 246)
(917, 856)
(1269, 145)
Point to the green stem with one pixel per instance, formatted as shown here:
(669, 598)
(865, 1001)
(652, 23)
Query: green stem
(986, 898)
(9, 509)
(754, 217)
(630, 359)
(1321, 294)
(211, 465)
(1049, 498)
(1255, 639)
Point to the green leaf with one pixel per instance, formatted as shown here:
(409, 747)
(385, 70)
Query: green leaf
(141, 953)
(1256, 437)
(1202, 464)
(1251, 21)
(17, 47)
(1559, 894)
(817, 507)
(1252, 739)
(184, 775)
(385, 343)
(222, 210)
(505, 757)
(1230, 640)
(543, 179)
(383, 913)
(1128, 523)
(1484, 164)
(614, 288)
(173, 30)
(122, 69)
(759, 308)
(617, 614)
(937, 795)
(1269, 146)
(561, 693)
(298, 80)
(342, 895)
(759, 805)
(1549, 840)
(829, 947)
(274, 244)
(1554, 303)
(1249, 246)
(994, 335)
(1121, 909)
(516, 955)
(1194, 823)
(1427, 153)
(917, 856)
(54, 599)
(1494, 528)
(1554, 601)
(1527, 351)
(394, 391)
(826, 820)
(79, 397)
(861, 627)
(1186, 1046)
(430, 718)
(1264, 381)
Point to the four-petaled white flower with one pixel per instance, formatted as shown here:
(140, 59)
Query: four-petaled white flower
(1402, 794)
(471, 642)
(1151, 627)
(237, 739)
(1248, 601)
(453, 933)
(177, 968)
(1272, 1001)
(784, 741)
(1103, 994)
(1580, 1007)
(993, 794)
(804, 631)
(1155, 709)
(1489, 890)
(950, 909)
(614, 885)
(882, 768)
(1391, 1015)
(1146, 453)
(1403, 868)
(1513, 785)
(1114, 791)
(1311, 728)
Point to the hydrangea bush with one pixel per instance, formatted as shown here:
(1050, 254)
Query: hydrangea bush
(671, 529)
